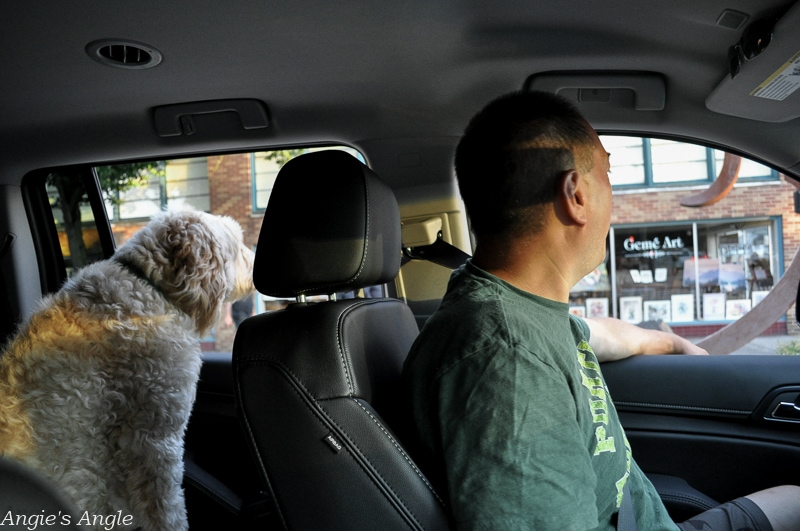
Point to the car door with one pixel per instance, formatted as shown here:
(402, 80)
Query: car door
(728, 425)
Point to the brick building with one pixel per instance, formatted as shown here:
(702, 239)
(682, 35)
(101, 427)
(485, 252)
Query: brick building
(230, 190)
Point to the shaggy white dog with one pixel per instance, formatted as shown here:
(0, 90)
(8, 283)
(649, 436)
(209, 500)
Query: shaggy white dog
(97, 386)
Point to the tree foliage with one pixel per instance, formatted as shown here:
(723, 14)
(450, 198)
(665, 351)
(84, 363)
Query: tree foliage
(71, 196)
(282, 156)
(121, 177)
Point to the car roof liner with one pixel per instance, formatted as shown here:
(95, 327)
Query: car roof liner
(766, 87)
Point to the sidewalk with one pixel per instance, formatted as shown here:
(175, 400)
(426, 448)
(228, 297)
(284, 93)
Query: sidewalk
(762, 345)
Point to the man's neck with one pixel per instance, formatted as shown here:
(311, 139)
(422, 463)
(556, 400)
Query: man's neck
(538, 273)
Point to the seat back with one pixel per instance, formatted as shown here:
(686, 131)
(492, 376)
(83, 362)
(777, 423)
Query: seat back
(316, 383)
(28, 499)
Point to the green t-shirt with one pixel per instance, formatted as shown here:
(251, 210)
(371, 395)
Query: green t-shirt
(508, 399)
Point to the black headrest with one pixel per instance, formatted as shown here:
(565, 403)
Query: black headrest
(331, 225)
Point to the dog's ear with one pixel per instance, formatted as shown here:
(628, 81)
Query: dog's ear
(194, 273)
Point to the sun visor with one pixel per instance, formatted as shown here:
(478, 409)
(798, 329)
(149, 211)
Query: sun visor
(767, 86)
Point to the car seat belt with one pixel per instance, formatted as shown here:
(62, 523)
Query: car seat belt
(439, 252)
(626, 518)
(211, 487)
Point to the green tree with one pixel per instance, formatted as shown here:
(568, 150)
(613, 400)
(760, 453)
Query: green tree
(282, 156)
(71, 196)
(121, 177)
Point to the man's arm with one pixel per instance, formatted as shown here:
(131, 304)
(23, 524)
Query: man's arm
(228, 319)
(612, 339)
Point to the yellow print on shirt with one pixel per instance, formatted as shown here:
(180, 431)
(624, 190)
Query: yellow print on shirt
(598, 401)
(624, 479)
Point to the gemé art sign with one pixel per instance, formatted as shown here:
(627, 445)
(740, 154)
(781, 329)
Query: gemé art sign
(653, 247)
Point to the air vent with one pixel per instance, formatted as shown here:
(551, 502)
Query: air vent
(123, 54)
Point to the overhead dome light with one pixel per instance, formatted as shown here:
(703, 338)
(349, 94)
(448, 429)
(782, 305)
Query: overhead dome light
(123, 53)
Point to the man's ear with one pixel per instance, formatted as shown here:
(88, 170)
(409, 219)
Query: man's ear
(571, 198)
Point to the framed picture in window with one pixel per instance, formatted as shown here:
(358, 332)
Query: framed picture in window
(758, 296)
(736, 308)
(657, 311)
(682, 308)
(713, 306)
(630, 309)
(580, 311)
(597, 307)
(731, 277)
(707, 272)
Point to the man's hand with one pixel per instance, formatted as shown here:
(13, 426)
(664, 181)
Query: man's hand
(228, 318)
(612, 339)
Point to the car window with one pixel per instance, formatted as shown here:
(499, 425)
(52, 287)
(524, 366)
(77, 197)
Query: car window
(237, 185)
(694, 270)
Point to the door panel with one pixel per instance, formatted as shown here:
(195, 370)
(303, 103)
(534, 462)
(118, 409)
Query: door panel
(216, 443)
(215, 438)
(703, 419)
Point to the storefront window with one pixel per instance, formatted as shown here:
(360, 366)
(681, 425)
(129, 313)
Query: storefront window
(738, 269)
(591, 296)
(650, 273)
(682, 273)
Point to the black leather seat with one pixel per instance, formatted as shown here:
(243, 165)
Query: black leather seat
(28, 500)
(316, 383)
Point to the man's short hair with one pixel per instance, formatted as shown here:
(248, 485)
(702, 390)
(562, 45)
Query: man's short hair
(511, 158)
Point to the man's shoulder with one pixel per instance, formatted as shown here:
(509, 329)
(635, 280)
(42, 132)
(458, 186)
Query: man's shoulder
(469, 320)
(480, 314)
(463, 322)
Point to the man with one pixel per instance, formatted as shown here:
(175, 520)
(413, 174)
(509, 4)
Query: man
(509, 404)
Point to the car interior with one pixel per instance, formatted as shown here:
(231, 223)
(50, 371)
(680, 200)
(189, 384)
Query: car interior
(295, 424)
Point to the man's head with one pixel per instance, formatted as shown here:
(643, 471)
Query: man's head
(512, 157)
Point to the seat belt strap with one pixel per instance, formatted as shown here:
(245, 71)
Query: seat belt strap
(626, 518)
(210, 486)
(439, 252)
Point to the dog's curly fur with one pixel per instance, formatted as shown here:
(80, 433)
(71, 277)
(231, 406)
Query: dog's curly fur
(97, 386)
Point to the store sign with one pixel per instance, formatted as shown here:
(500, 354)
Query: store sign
(656, 244)
(655, 247)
